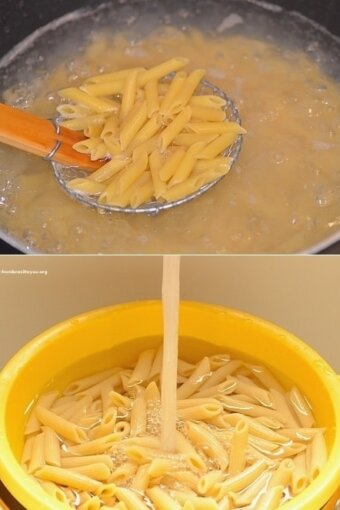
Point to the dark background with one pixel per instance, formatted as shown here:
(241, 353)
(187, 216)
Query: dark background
(19, 18)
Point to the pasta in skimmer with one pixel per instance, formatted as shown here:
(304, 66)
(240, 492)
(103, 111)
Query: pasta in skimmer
(158, 139)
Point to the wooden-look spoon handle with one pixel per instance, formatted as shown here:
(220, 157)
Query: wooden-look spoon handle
(33, 134)
(3, 505)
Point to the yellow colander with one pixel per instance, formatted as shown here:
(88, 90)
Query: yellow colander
(112, 336)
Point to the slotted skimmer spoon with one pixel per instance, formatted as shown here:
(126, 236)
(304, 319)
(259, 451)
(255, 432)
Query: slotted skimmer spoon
(54, 143)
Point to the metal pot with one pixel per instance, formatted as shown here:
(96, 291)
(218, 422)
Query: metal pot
(20, 18)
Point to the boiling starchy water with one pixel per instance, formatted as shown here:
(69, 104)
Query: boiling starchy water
(283, 195)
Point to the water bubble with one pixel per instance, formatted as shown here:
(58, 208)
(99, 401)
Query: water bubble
(51, 96)
(325, 198)
(12, 210)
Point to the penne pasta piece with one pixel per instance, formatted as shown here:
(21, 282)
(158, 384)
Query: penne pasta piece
(210, 101)
(37, 459)
(207, 113)
(54, 491)
(231, 404)
(152, 97)
(210, 175)
(149, 130)
(187, 478)
(251, 493)
(301, 408)
(131, 173)
(72, 111)
(138, 416)
(67, 477)
(162, 466)
(224, 388)
(86, 186)
(187, 89)
(257, 429)
(185, 368)
(51, 447)
(118, 506)
(141, 478)
(190, 402)
(217, 146)
(96, 446)
(61, 426)
(174, 128)
(202, 436)
(143, 367)
(301, 434)
(281, 405)
(208, 481)
(172, 93)
(133, 124)
(123, 472)
(119, 400)
(170, 165)
(70, 462)
(194, 460)
(224, 504)
(27, 451)
(183, 189)
(88, 145)
(283, 474)
(162, 500)
(246, 387)
(93, 131)
(157, 363)
(82, 123)
(269, 422)
(195, 381)
(141, 454)
(106, 426)
(113, 147)
(84, 99)
(105, 396)
(191, 138)
(240, 481)
(271, 499)
(161, 70)
(129, 94)
(47, 400)
(92, 504)
(221, 374)
(210, 164)
(109, 88)
(114, 76)
(159, 186)
(97, 471)
(216, 128)
(238, 449)
(266, 378)
(130, 498)
(123, 427)
(187, 163)
(196, 502)
(318, 457)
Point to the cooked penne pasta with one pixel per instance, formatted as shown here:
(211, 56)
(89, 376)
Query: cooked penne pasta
(135, 112)
(152, 97)
(238, 448)
(93, 103)
(232, 448)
